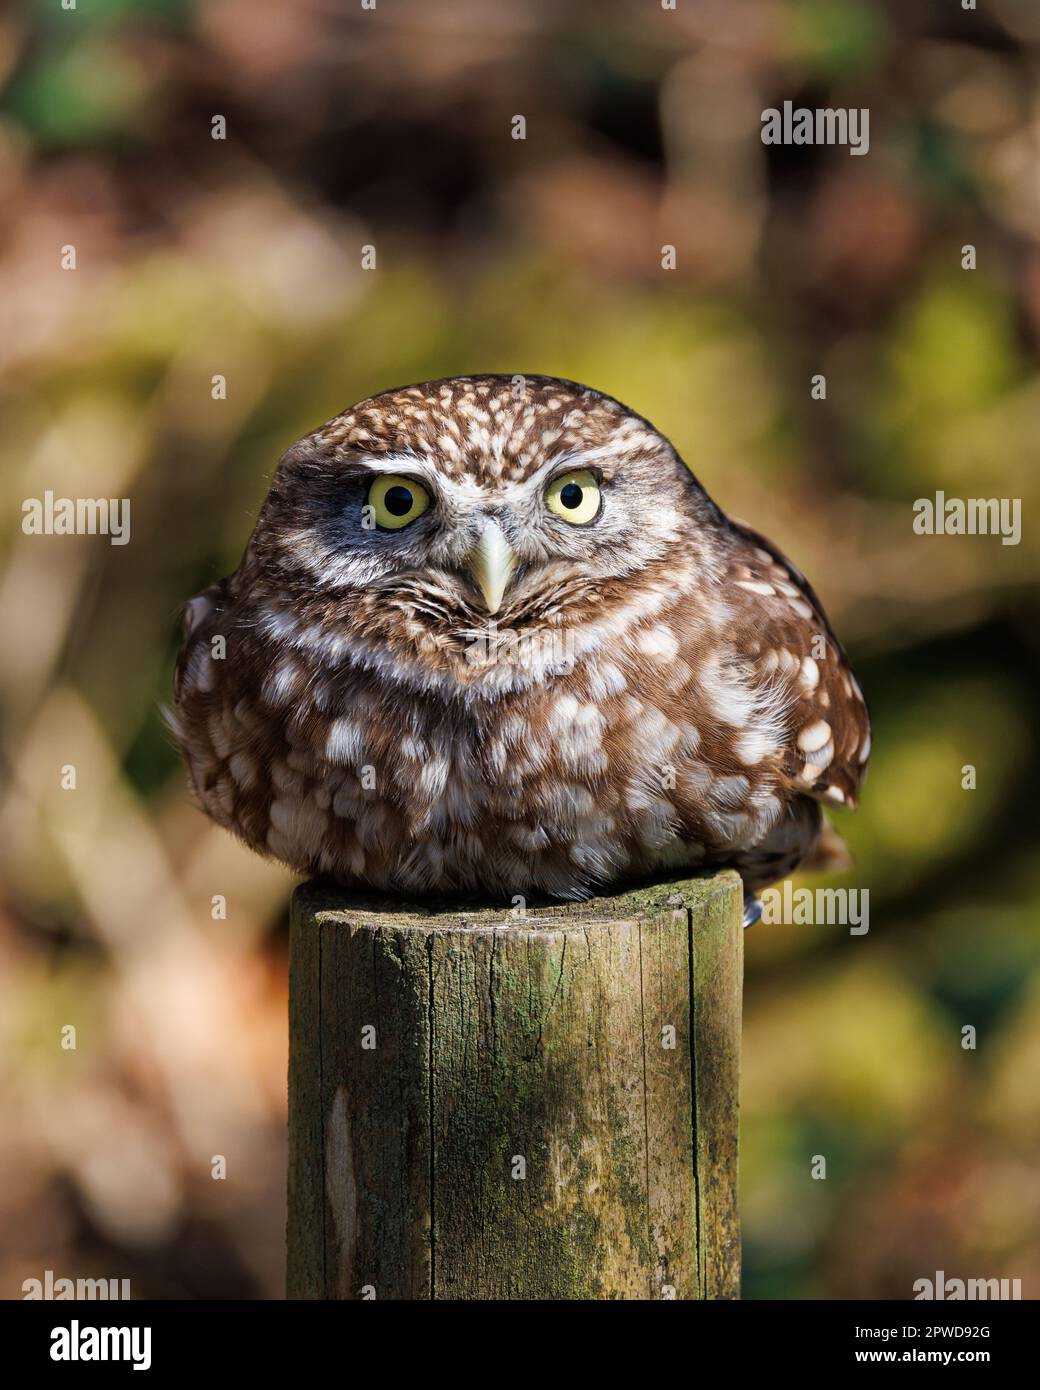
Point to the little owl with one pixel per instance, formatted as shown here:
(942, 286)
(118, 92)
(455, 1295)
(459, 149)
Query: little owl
(490, 636)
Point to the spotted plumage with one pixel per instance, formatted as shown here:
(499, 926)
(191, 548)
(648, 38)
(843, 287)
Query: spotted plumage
(490, 635)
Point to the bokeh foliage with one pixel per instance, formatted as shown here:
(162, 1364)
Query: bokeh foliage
(243, 257)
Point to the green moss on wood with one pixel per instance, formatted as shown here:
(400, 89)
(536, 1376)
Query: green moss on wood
(498, 1036)
(319, 899)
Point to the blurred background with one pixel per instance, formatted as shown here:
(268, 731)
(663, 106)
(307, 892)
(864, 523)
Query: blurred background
(242, 257)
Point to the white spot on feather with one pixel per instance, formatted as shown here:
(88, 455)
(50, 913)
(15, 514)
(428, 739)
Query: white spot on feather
(755, 586)
(814, 736)
(344, 743)
(658, 641)
(753, 745)
(810, 673)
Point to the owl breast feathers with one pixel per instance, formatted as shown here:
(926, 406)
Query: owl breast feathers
(490, 635)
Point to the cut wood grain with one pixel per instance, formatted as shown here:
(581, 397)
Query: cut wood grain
(491, 1106)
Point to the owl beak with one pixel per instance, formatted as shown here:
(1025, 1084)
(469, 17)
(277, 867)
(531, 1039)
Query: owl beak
(492, 562)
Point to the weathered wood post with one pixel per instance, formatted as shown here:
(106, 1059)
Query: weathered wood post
(488, 1106)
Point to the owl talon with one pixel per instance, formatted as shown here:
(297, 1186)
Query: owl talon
(752, 910)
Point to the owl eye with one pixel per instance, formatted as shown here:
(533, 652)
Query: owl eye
(396, 501)
(574, 496)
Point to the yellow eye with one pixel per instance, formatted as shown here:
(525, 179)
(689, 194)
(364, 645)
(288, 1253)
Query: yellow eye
(574, 496)
(396, 501)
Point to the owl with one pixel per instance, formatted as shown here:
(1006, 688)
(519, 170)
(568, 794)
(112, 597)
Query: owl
(491, 637)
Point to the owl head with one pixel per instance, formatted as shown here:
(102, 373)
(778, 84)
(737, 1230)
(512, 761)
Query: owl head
(431, 513)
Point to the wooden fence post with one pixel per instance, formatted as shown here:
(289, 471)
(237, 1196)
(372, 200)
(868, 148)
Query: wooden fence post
(488, 1106)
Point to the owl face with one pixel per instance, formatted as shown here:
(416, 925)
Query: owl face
(443, 508)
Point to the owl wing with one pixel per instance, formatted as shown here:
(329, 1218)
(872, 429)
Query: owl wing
(782, 634)
(195, 614)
